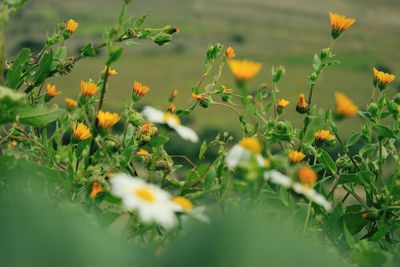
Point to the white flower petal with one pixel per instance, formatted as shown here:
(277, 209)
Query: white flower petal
(312, 195)
(186, 133)
(153, 115)
(278, 178)
(236, 155)
(260, 160)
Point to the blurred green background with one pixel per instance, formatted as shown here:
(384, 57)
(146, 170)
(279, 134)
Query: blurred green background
(286, 32)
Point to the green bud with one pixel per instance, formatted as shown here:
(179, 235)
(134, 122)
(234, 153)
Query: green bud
(373, 109)
(396, 99)
(162, 38)
(206, 102)
(325, 53)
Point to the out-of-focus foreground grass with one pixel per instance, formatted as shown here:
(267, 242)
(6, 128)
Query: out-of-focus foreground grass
(38, 228)
(284, 32)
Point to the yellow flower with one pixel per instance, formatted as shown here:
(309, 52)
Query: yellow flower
(323, 135)
(283, 103)
(143, 153)
(111, 71)
(71, 103)
(251, 144)
(302, 105)
(382, 79)
(184, 203)
(146, 128)
(230, 53)
(339, 24)
(107, 119)
(139, 90)
(344, 106)
(80, 131)
(72, 25)
(88, 88)
(244, 69)
(51, 90)
(296, 156)
(307, 176)
(96, 188)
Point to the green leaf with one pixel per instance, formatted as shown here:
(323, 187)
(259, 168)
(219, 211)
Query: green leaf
(44, 68)
(383, 131)
(203, 149)
(114, 54)
(139, 22)
(316, 62)
(353, 139)
(88, 50)
(38, 116)
(363, 178)
(14, 74)
(158, 141)
(10, 101)
(327, 161)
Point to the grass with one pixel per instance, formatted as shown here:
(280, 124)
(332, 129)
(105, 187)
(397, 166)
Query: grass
(272, 32)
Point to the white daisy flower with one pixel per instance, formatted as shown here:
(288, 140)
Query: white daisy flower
(157, 116)
(152, 203)
(278, 178)
(243, 151)
(303, 188)
(185, 206)
(312, 195)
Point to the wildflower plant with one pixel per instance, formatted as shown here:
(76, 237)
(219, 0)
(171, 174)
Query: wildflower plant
(351, 198)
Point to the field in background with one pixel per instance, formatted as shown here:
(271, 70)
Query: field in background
(285, 32)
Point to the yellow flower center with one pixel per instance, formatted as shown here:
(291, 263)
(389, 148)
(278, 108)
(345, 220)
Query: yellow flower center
(145, 194)
(184, 203)
(307, 176)
(251, 144)
(171, 117)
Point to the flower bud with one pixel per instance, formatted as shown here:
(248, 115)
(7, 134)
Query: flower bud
(373, 109)
(302, 106)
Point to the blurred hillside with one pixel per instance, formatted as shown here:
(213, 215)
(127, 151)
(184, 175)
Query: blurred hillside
(284, 32)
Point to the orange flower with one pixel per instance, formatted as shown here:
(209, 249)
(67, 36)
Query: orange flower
(171, 108)
(198, 97)
(244, 69)
(80, 131)
(307, 176)
(339, 24)
(251, 144)
(88, 88)
(51, 90)
(344, 106)
(283, 103)
(71, 103)
(139, 90)
(143, 153)
(323, 135)
(111, 71)
(382, 79)
(296, 156)
(107, 119)
(230, 53)
(96, 188)
(72, 25)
